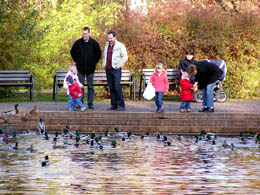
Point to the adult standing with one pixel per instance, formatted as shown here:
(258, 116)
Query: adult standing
(184, 63)
(206, 74)
(86, 53)
(115, 56)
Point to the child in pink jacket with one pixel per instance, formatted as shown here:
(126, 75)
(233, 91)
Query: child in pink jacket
(160, 82)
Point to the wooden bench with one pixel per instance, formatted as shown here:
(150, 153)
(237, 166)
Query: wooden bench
(100, 79)
(20, 78)
(172, 75)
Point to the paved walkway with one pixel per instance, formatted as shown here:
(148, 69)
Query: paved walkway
(140, 106)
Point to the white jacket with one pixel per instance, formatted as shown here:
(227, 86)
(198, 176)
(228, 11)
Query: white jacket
(74, 76)
(119, 55)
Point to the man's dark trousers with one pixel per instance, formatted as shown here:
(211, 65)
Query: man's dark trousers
(90, 85)
(116, 94)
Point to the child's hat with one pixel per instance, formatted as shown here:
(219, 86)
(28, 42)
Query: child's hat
(70, 79)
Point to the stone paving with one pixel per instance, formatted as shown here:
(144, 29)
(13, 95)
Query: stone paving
(252, 106)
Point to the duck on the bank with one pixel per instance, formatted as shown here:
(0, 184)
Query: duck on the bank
(41, 127)
(35, 111)
(45, 162)
(13, 112)
(257, 138)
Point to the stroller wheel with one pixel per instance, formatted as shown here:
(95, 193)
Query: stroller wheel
(198, 96)
(221, 96)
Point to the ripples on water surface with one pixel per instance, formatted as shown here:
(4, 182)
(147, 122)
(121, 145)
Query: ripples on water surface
(135, 166)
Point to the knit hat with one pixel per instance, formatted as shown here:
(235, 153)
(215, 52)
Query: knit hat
(70, 79)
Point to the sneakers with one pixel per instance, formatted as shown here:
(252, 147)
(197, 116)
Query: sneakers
(83, 109)
(182, 110)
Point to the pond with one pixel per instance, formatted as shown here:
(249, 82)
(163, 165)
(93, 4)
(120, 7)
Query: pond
(134, 166)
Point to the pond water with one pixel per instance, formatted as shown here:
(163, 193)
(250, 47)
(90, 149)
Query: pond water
(134, 166)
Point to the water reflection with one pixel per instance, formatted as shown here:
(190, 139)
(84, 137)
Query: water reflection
(134, 166)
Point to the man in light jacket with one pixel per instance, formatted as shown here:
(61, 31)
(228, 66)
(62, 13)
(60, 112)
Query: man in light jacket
(115, 56)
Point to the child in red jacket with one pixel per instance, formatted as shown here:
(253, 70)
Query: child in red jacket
(186, 92)
(76, 93)
(161, 84)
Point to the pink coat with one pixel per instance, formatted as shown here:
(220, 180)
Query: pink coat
(160, 83)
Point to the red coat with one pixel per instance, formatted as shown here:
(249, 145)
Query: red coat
(75, 90)
(186, 91)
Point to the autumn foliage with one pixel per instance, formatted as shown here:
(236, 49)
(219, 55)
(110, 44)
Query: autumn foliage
(38, 36)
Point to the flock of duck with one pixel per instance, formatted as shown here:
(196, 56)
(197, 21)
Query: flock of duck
(110, 138)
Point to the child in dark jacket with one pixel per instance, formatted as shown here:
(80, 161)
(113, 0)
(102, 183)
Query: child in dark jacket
(76, 93)
(186, 92)
(160, 82)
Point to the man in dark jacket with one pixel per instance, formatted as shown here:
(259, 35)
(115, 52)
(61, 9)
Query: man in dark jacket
(206, 74)
(86, 53)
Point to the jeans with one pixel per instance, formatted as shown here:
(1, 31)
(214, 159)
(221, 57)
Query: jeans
(185, 105)
(69, 101)
(158, 99)
(90, 85)
(116, 94)
(77, 101)
(208, 95)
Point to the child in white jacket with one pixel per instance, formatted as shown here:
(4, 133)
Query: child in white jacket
(73, 73)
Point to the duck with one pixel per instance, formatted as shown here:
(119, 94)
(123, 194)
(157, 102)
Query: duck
(179, 137)
(196, 138)
(116, 129)
(113, 143)
(45, 162)
(15, 147)
(257, 138)
(167, 143)
(46, 136)
(35, 111)
(129, 133)
(30, 149)
(13, 112)
(66, 130)
(77, 141)
(225, 145)
(106, 132)
(57, 147)
(142, 136)
(7, 140)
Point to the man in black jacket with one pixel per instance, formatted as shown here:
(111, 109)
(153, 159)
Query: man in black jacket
(86, 53)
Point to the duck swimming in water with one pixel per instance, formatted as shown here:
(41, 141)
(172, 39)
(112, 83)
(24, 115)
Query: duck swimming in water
(45, 162)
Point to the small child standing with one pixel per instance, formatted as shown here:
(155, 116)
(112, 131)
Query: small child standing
(73, 73)
(76, 94)
(160, 82)
(186, 92)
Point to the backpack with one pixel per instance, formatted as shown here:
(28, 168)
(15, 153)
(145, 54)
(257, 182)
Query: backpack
(222, 65)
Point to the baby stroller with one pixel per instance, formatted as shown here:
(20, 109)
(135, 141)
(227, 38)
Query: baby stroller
(219, 94)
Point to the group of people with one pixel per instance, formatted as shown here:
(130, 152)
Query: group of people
(86, 53)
